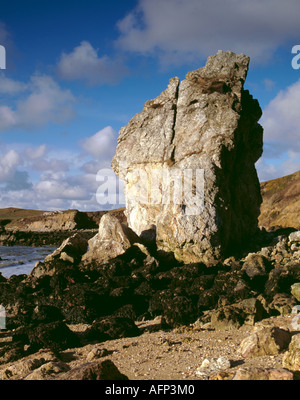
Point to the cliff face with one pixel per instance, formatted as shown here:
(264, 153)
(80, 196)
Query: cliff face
(281, 202)
(188, 162)
(51, 222)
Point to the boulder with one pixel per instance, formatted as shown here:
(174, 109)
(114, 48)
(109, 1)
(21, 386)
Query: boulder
(96, 370)
(295, 290)
(24, 367)
(225, 318)
(229, 317)
(47, 371)
(213, 366)
(262, 374)
(254, 374)
(282, 303)
(70, 250)
(55, 336)
(291, 359)
(255, 267)
(265, 341)
(112, 240)
(110, 328)
(187, 161)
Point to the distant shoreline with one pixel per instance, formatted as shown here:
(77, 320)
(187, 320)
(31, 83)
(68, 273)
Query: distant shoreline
(42, 228)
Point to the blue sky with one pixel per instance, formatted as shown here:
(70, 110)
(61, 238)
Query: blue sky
(77, 71)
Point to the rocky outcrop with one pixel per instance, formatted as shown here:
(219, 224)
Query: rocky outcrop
(112, 240)
(52, 221)
(188, 162)
(71, 250)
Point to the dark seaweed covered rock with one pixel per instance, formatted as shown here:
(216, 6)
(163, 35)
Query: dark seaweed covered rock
(55, 336)
(110, 328)
(95, 371)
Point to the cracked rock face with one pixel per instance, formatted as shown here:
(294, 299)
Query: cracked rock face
(187, 161)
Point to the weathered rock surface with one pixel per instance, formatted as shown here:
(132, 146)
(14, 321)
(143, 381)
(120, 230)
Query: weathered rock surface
(294, 237)
(70, 250)
(96, 370)
(111, 328)
(112, 240)
(206, 123)
(213, 366)
(27, 365)
(291, 359)
(263, 374)
(39, 228)
(295, 290)
(265, 341)
(52, 221)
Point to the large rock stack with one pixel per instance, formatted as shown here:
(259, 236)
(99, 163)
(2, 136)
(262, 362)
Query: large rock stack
(188, 162)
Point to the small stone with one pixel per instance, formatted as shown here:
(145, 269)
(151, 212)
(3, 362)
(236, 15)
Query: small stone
(296, 309)
(96, 353)
(296, 323)
(222, 376)
(213, 366)
(294, 237)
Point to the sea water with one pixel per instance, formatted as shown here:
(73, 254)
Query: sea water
(16, 260)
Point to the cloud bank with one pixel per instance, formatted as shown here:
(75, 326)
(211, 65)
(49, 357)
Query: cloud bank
(180, 31)
(38, 102)
(47, 178)
(281, 121)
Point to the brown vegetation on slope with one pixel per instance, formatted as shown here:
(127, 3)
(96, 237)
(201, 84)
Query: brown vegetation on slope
(281, 202)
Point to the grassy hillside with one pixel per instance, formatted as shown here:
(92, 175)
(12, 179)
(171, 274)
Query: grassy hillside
(12, 214)
(281, 202)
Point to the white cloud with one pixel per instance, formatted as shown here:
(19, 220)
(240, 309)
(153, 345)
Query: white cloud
(101, 145)
(59, 189)
(8, 164)
(53, 178)
(269, 84)
(281, 122)
(10, 177)
(11, 87)
(34, 153)
(184, 30)
(46, 102)
(287, 164)
(83, 63)
(281, 119)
